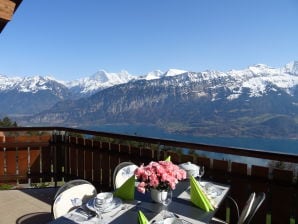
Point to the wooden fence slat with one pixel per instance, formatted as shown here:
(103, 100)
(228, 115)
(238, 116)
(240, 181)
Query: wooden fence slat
(175, 158)
(147, 155)
(114, 156)
(239, 168)
(281, 197)
(47, 158)
(35, 162)
(81, 162)
(260, 172)
(1, 162)
(73, 154)
(11, 161)
(259, 183)
(124, 151)
(81, 141)
(72, 140)
(283, 175)
(88, 165)
(240, 187)
(187, 158)
(105, 170)
(135, 155)
(105, 146)
(23, 164)
(219, 170)
(96, 168)
(10, 139)
(204, 161)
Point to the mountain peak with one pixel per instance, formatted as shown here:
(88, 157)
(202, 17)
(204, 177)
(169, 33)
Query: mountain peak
(174, 72)
(153, 75)
(292, 67)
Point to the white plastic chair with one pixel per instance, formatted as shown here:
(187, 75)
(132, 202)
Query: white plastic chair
(122, 173)
(252, 205)
(69, 194)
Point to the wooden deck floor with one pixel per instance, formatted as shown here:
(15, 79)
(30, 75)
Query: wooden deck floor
(26, 205)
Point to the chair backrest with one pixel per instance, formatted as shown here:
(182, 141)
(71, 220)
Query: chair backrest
(69, 192)
(122, 173)
(251, 207)
(259, 199)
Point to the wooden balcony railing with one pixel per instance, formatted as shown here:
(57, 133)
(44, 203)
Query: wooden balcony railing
(56, 154)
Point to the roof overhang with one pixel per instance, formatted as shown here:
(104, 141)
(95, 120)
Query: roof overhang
(7, 9)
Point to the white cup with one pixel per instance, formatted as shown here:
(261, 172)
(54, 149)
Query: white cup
(103, 198)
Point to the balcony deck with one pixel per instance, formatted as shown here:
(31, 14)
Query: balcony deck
(41, 155)
(24, 206)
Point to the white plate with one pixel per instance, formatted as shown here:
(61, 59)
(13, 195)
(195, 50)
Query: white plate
(172, 221)
(114, 204)
(212, 191)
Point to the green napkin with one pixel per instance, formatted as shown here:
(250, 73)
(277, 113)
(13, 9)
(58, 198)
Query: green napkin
(127, 190)
(198, 197)
(142, 218)
(168, 158)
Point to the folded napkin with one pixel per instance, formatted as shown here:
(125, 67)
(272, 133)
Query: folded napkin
(142, 218)
(127, 190)
(198, 197)
(168, 158)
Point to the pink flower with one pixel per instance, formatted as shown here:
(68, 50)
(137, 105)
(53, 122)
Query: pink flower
(141, 187)
(160, 175)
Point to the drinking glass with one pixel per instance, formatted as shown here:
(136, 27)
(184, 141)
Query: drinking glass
(201, 173)
(166, 199)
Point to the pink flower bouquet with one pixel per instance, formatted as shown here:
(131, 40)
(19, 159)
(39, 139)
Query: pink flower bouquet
(162, 175)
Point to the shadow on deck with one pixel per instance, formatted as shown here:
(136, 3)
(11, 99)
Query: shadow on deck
(26, 206)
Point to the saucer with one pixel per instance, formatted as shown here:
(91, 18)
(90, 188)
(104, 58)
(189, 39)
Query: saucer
(115, 203)
(172, 220)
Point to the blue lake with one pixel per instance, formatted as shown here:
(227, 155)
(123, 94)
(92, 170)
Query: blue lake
(288, 146)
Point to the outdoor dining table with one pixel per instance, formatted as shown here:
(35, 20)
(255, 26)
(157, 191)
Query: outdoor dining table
(181, 207)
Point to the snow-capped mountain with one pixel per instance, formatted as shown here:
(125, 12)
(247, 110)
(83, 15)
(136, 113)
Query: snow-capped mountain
(100, 80)
(174, 72)
(30, 84)
(152, 75)
(30, 95)
(256, 101)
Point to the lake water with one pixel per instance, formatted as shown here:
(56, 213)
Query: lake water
(288, 146)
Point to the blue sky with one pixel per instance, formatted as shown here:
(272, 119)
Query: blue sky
(71, 39)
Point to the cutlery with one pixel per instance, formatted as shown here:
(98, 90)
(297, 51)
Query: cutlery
(124, 207)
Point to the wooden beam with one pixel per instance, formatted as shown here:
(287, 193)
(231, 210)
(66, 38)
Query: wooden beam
(7, 8)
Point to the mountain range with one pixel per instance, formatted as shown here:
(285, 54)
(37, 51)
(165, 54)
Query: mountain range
(33, 94)
(257, 101)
